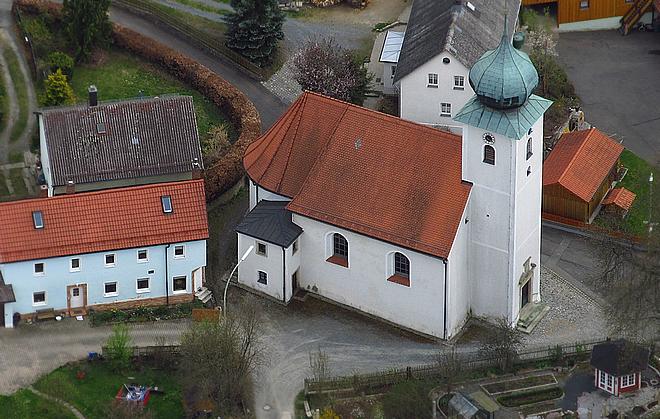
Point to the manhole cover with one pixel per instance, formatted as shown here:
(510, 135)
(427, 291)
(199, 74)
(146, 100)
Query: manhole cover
(267, 407)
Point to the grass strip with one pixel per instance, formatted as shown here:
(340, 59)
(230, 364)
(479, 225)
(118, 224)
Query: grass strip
(20, 85)
(25, 404)
(203, 7)
(16, 178)
(4, 102)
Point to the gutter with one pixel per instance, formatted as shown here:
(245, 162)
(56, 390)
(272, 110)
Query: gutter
(283, 275)
(444, 333)
(167, 291)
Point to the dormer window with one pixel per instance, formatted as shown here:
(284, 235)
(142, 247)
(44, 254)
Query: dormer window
(38, 219)
(166, 200)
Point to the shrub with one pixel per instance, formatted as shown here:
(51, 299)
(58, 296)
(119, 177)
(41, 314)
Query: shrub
(328, 413)
(58, 90)
(215, 144)
(529, 18)
(119, 347)
(60, 61)
(409, 399)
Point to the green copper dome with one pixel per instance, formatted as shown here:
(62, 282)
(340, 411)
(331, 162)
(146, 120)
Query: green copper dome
(505, 77)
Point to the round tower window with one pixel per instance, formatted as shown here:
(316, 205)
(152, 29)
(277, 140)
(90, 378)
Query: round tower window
(446, 60)
(489, 138)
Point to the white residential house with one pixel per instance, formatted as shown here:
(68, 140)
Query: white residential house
(414, 225)
(389, 56)
(443, 40)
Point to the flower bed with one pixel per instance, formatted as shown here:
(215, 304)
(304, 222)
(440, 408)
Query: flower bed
(143, 314)
(241, 112)
(517, 384)
(530, 397)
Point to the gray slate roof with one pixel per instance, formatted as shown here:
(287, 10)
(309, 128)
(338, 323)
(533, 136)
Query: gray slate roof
(438, 25)
(143, 137)
(6, 292)
(512, 123)
(619, 357)
(270, 221)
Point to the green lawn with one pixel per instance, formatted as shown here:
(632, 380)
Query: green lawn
(94, 394)
(3, 186)
(203, 7)
(24, 404)
(21, 91)
(16, 177)
(4, 101)
(637, 180)
(122, 76)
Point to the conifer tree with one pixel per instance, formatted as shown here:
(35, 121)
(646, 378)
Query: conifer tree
(58, 90)
(255, 27)
(87, 25)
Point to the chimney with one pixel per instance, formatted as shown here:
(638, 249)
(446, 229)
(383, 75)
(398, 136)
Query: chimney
(70, 187)
(93, 95)
(43, 191)
(196, 169)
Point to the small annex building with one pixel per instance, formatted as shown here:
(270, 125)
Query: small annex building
(113, 144)
(110, 249)
(618, 366)
(578, 174)
(413, 225)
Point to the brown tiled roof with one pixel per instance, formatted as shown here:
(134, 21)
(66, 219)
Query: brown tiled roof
(580, 161)
(621, 197)
(365, 171)
(104, 220)
(143, 137)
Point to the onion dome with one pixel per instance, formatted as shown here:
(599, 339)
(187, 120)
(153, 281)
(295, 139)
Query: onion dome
(505, 77)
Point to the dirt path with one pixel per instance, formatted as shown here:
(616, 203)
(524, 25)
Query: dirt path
(73, 410)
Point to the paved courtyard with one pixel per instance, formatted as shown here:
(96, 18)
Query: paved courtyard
(617, 79)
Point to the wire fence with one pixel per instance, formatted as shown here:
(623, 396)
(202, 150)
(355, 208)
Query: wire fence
(470, 361)
(149, 351)
(212, 44)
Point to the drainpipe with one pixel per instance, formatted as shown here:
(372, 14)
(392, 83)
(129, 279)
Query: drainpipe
(283, 275)
(167, 291)
(444, 334)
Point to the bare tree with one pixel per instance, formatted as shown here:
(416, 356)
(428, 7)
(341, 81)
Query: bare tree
(502, 343)
(628, 276)
(319, 365)
(219, 358)
(451, 363)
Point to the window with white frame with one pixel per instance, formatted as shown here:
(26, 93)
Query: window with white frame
(445, 109)
(110, 289)
(262, 277)
(262, 249)
(179, 251)
(432, 80)
(179, 284)
(459, 82)
(401, 265)
(74, 265)
(109, 260)
(39, 268)
(584, 4)
(143, 255)
(602, 380)
(39, 298)
(142, 285)
(628, 380)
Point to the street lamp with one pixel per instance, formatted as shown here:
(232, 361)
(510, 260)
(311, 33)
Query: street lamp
(224, 298)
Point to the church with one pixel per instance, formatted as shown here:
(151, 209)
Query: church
(419, 227)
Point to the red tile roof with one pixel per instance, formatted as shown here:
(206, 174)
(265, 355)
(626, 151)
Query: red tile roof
(580, 161)
(621, 197)
(365, 171)
(104, 220)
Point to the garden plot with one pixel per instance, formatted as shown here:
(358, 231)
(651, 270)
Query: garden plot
(527, 383)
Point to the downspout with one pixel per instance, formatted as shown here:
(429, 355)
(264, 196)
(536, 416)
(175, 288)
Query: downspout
(283, 275)
(167, 291)
(444, 333)
(256, 188)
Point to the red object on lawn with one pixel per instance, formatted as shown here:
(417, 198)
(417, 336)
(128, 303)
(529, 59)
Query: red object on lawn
(134, 394)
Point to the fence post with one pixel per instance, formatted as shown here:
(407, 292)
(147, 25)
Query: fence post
(409, 373)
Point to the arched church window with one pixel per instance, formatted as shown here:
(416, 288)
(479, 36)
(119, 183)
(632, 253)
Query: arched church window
(489, 154)
(529, 148)
(339, 246)
(401, 265)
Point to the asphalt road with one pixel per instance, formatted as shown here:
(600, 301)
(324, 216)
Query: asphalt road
(618, 80)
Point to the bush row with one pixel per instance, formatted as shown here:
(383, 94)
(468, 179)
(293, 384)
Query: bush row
(241, 112)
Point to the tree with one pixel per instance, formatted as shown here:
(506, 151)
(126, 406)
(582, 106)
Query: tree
(501, 344)
(319, 365)
(324, 67)
(219, 358)
(450, 363)
(628, 276)
(86, 24)
(119, 347)
(543, 52)
(58, 90)
(255, 27)
(60, 61)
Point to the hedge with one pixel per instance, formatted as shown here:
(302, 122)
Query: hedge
(241, 112)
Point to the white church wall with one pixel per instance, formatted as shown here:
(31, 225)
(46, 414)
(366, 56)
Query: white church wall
(421, 103)
(258, 193)
(292, 266)
(364, 286)
(459, 287)
(271, 263)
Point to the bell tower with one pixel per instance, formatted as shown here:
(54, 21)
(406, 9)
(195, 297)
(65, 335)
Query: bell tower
(502, 156)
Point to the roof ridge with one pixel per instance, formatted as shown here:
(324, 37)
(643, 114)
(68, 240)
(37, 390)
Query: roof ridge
(109, 102)
(295, 135)
(101, 192)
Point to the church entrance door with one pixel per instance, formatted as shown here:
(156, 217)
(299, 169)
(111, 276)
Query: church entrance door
(525, 294)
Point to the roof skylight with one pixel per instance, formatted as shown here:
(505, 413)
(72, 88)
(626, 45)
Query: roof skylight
(38, 219)
(166, 200)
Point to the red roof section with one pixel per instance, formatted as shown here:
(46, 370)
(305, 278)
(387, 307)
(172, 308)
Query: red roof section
(365, 171)
(104, 220)
(580, 161)
(621, 197)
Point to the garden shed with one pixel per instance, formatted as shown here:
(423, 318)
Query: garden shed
(618, 366)
(578, 174)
